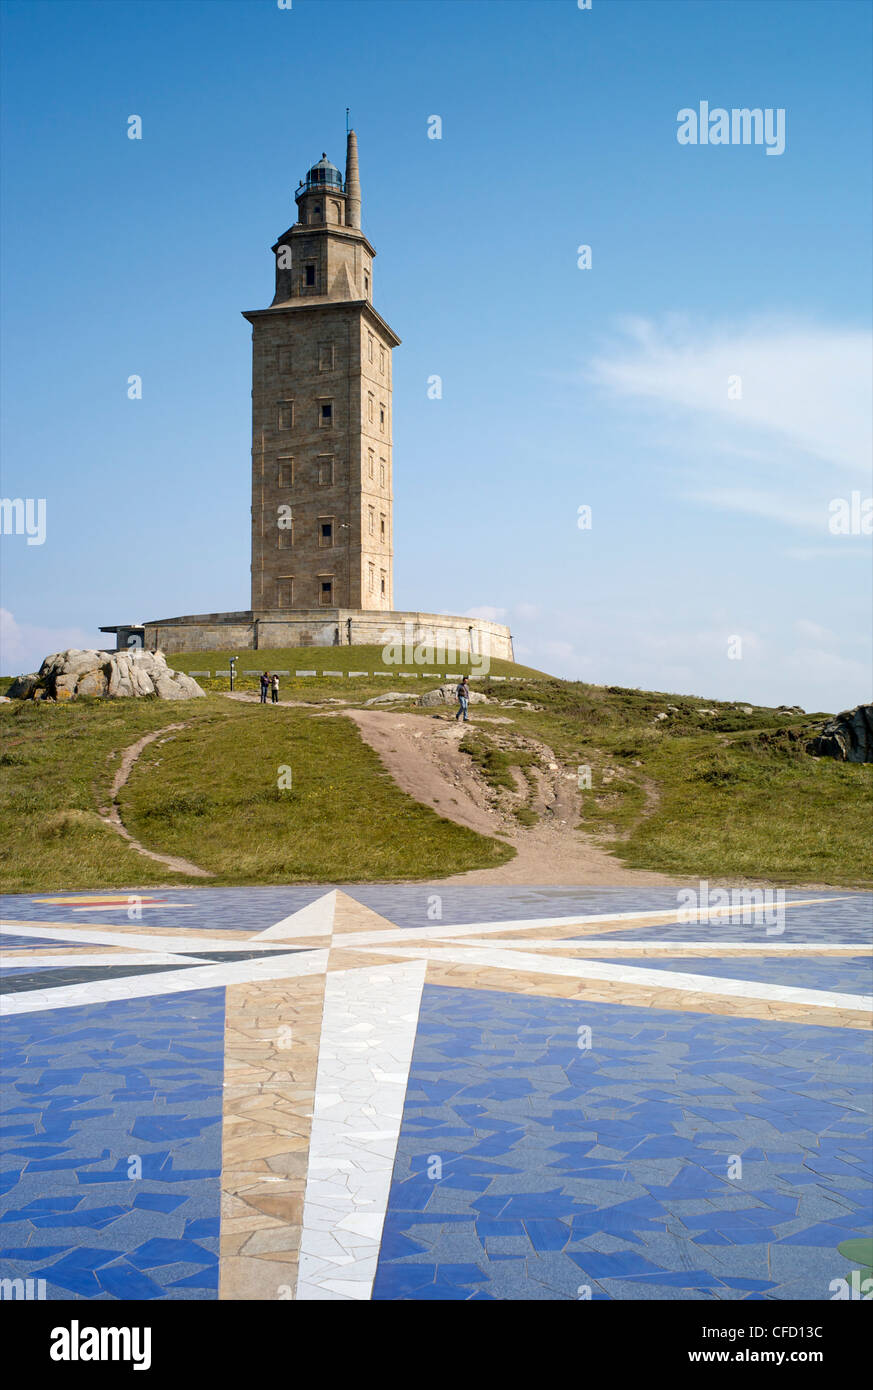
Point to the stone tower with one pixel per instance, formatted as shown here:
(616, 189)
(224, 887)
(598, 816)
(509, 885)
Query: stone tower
(322, 525)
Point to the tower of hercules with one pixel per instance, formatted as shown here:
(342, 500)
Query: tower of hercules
(322, 526)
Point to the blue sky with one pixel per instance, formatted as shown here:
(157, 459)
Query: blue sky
(562, 387)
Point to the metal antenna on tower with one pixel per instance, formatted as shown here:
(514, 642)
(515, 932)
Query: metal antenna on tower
(347, 120)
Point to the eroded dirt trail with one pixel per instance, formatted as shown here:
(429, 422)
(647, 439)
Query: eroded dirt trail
(111, 815)
(423, 757)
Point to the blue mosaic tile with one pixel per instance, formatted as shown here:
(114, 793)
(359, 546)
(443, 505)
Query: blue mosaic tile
(123, 1281)
(842, 916)
(843, 975)
(670, 1222)
(142, 1056)
(159, 1201)
(550, 1157)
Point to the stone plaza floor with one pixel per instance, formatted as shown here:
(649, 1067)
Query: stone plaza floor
(414, 1092)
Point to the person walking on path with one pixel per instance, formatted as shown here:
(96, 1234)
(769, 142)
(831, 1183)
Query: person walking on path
(265, 683)
(275, 689)
(463, 694)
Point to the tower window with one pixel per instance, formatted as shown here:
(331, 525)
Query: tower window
(325, 417)
(286, 538)
(383, 583)
(371, 520)
(367, 285)
(370, 460)
(327, 592)
(372, 569)
(285, 473)
(284, 593)
(382, 529)
(370, 347)
(381, 472)
(382, 417)
(325, 472)
(285, 415)
(370, 405)
(310, 275)
(381, 359)
(325, 357)
(325, 534)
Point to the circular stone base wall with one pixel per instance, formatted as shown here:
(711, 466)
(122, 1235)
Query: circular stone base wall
(424, 638)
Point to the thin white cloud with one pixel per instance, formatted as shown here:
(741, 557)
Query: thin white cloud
(486, 613)
(825, 552)
(801, 662)
(559, 649)
(830, 667)
(804, 386)
(24, 647)
(774, 506)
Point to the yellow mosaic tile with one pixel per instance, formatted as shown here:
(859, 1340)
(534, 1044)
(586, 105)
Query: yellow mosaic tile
(608, 992)
(272, 1032)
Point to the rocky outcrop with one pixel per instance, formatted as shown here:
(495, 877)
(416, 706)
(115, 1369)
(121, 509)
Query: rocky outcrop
(448, 695)
(848, 736)
(390, 696)
(114, 675)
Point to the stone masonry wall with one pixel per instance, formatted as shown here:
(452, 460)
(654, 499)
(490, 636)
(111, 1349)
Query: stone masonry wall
(303, 359)
(327, 628)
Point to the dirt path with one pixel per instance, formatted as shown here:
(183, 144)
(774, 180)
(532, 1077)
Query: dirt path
(247, 698)
(111, 815)
(423, 757)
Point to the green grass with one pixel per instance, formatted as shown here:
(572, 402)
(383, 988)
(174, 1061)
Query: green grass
(59, 762)
(727, 795)
(755, 809)
(730, 795)
(210, 795)
(495, 763)
(320, 659)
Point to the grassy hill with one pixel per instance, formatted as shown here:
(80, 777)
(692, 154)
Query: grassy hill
(379, 676)
(709, 791)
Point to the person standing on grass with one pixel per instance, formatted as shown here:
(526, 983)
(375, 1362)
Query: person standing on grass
(265, 682)
(463, 694)
(275, 687)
